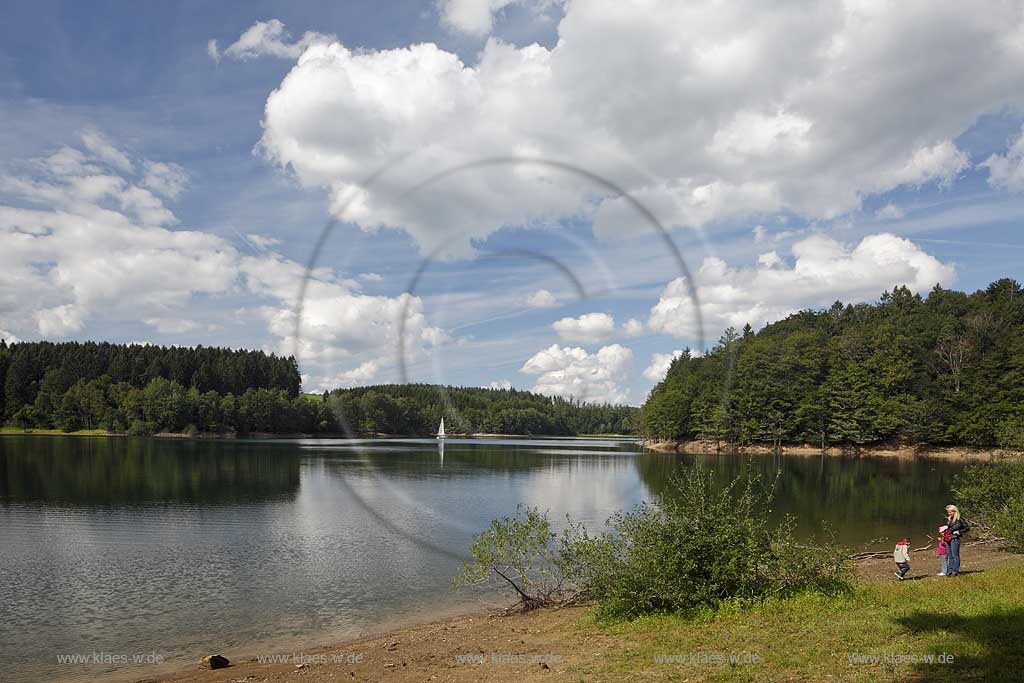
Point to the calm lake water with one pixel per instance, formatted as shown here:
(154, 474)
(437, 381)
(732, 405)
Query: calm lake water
(129, 547)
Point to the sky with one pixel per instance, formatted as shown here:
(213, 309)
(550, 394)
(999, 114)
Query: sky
(555, 195)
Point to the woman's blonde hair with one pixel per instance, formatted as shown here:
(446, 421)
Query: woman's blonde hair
(953, 511)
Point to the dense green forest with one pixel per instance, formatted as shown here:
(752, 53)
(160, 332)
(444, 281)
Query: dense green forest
(149, 389)
(943, 370)
(417, 409)
(146, 389)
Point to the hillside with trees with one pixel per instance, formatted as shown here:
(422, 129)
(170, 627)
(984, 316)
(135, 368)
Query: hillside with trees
(149, 389)
(142, 388)
(417, 409)
(942, 370)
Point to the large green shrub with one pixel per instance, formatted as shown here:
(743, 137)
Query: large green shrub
(991, 494)
(706, 543)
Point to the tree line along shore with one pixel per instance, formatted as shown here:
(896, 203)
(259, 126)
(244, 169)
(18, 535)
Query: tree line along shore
(139, 389)
(942, 373)
(907, 373)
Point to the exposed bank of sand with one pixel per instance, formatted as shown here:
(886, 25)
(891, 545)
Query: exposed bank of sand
(881, 451)
(520, 648)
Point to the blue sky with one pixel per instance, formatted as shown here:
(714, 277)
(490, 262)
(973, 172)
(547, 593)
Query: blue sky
(168, 168)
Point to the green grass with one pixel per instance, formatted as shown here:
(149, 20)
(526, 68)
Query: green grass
(977, 618)
(57, 432)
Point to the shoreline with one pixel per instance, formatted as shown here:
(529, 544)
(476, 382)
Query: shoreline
(269, 436)
(962, 453)
(463, 647)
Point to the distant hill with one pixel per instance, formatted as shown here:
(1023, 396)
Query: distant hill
(417, 409)
(943, 370)
(120, 387)
(148, 389)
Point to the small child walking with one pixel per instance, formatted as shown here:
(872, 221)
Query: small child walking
(943, 549)
(902, 557)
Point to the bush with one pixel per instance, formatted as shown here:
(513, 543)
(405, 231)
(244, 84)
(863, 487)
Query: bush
(1010, 433)
(141, 428)
(522, 554)
(993, 493)
(26, 418)
(706, 544)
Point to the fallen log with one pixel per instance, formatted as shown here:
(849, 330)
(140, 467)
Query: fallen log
(883, 554)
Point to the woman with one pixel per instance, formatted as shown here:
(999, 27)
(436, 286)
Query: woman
(957, 528)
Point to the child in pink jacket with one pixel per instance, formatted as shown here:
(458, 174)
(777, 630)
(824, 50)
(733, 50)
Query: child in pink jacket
(943, 550)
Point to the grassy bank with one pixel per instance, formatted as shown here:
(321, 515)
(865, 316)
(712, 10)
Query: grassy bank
(883, 631)
(18, 431)
(970, 630)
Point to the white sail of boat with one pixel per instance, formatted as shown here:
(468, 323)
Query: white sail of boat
(440, 430)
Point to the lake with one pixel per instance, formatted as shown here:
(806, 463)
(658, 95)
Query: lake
(121, 548)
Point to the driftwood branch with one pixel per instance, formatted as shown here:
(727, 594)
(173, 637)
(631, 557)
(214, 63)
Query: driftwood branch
(523, 596)
(884, 554)
(543, 598)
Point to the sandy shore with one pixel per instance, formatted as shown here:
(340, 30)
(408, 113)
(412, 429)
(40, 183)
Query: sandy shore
(880, 451)
(519, 648)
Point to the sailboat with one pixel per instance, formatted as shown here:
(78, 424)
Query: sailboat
(440, 430)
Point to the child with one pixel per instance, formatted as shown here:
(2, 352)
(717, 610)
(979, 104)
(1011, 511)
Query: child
(942, 549)
(902, 557)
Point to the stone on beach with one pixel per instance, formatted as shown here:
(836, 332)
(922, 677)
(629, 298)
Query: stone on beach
(214, 662)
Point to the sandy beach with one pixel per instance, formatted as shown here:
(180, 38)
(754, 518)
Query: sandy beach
(808, 450)
(516, 648)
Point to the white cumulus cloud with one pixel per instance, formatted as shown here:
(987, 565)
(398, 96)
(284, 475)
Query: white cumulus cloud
(79, 240)
(747, 108)
(105, 151)
(82, 246)
(823, 271)
(476, 17)
(589, 328)
(889, 212)
(572, 372)
(362, 374)
(633, 328)
(659, 365)
(542, 298)
(1006, 171)
(166, 179)
(266, 39)
(262, 242)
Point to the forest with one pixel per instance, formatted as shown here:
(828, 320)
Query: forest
(941, 370)
(141, 389)
(417, 409)
(145, 389)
